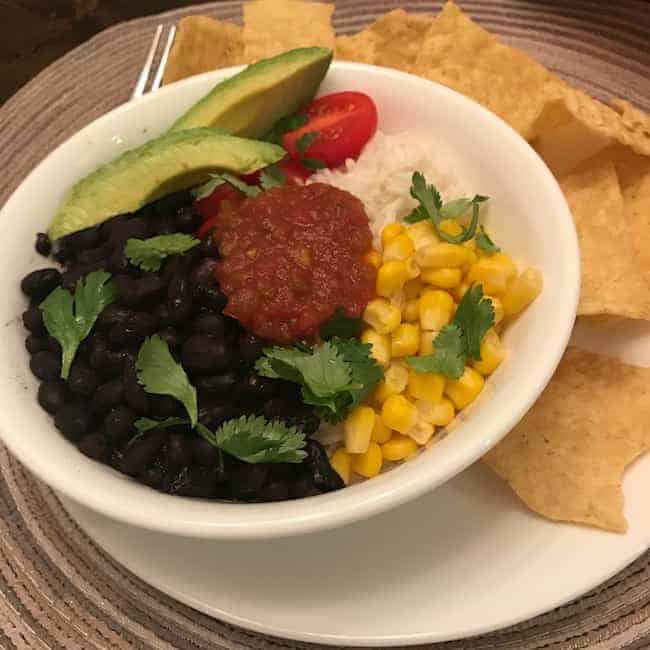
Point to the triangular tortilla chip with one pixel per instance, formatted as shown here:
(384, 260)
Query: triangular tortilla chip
(203, 44)
(566, 458)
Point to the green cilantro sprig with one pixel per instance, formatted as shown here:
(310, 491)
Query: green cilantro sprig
(70, 318)
(334, 376)
(484, 242)
(216, 180)
(459, 341)
(284, 125)
(305, 141)
(147, 424)
(272, 176)
(149, 254)
(432, 207)
(342, 326)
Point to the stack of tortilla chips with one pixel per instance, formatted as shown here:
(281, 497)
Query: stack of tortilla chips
(566, 458)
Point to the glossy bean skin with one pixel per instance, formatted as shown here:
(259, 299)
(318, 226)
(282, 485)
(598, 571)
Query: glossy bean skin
(37, 285)
(76, 273)
(220, 384)
(213, 416)
(132, 228)
(153, 476)
(51, 395)
(43, 244)
(208, 323)
(134, 395)
(112, 315)
(118, 424)
(34, 344)
(45, 365)
(246, 481)
(108, 395)
(164, 406)
(250, 347)
(82, 380)
(73, 420)
(179, 299)
(33, 321)
(204, 354)
(203, 453)
(92, 255)
(198, 482)
(141, 452)
(323, 476)
(171, 336)
(95, 446)
(132, 330)
(132, 292)
(179, 450)
(187, 220)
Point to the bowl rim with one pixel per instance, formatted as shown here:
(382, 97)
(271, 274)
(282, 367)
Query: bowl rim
(247, 521)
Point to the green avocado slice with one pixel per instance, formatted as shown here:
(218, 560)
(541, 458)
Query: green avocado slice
(172, 162)
(251, 102)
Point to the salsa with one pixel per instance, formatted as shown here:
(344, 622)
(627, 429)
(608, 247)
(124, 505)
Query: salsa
(291, 256)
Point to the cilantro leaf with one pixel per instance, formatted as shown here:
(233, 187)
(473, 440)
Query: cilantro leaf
(484, 242)
(219, 179)
(69, 319)
(205, 190)
(427, 195)
(149, 254)
(417, 214)
(147, 424)
(341, 325)
(284, 125)
(475, 316)
(253, 439)
(160, 374)
(448, 356)
(305, 141)
(366, 373)
(455, 209)
(313, 163)
(272, 177)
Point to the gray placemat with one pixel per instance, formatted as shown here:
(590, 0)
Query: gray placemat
(57, 588)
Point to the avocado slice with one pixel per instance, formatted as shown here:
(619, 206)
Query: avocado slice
(251, 102)
(172, 162)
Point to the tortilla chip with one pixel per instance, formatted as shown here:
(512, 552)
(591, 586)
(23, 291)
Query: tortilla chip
(612, 282)
(274, 26)
(203, 44)
(574, 127)
(566, 458)
(393, 41)
(458, 53)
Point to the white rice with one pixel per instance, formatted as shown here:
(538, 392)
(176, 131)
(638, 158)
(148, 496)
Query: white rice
(381, 177)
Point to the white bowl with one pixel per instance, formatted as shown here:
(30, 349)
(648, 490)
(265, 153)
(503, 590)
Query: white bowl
(528, 217)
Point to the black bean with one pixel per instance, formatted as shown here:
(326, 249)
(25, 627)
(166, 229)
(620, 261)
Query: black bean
(33, 321)
(133, 329)
(73, 420)
(93, 255)
(43, 244)
(153, 476)
(204, 453)
(179, 452)
(35, 344)
(179, 298)
(171, 336)
(115, 361)
(82, 239)
(98, 350)
(37, 285)
(51, 395)
(82, 379)
(217, 384)
(112, 315)
(202, 274)
(204, 354)
(118, 262)
(164, 225)
(171, 203)
(118, 424)
(197, 482)
(323, 476)
(133, 228)
(255, 388)
(108, 395)
(45, 365)
(53, 345)
(208, 248)
(308, 423)
(137, 455)
(212, 298)
(282, 408)
(187, 220)
(163, 406)
(275, 491)
(133, 292)
(250, 347)
(213, 416)
(206, 323)
(162, 313)
(303, 487)
(134, 395)
(246, 480)
(95, 446)
(76, 273)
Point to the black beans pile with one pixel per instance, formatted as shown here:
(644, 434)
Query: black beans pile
(97, 406)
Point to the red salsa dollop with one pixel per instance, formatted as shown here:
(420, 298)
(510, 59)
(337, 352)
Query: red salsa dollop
(291, 256)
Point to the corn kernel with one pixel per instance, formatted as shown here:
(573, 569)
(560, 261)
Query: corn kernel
(391, 277)
(506, 263)
(422, 234)
(357, 428)
(443, 278)
(441, 256)
(459, 291)
(391, 231)
(413, 288)
(398, 413)
(380, 343)
(436, 309)
(411, 311)
(373, 258)
(422, 431)
(465, 389)
(497, 305)
(492, 276)
(399, 448)
(398, 300)
(382, 316)
(427, 337)
(439, 414)
(522, 291)
(450, 227)
(380, 432)
(405, 340)
(425, 385)
(341, 463)
(412, 268)
(492, 353)
(398, 248)
(472, 258)
(396, 376)
(382, 392)
(470, 244)
(368, 464)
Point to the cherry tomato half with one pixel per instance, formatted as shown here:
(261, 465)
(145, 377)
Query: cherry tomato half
(343, 124)
(209, 206)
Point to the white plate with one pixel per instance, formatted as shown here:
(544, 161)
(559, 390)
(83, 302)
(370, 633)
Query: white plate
(463, 560)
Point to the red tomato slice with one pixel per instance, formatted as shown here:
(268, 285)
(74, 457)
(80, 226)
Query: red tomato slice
(294, 171)
(207, 226)
(344, 122)
(209, 206)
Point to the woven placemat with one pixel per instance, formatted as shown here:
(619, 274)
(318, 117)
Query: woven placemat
(57, 588)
